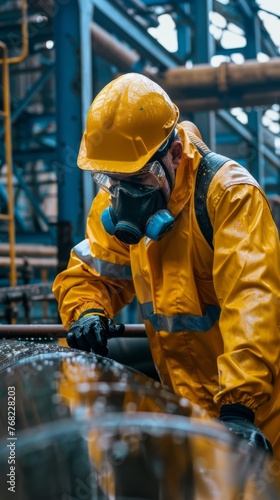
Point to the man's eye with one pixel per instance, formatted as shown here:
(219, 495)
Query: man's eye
(113, 181)
(139, 178)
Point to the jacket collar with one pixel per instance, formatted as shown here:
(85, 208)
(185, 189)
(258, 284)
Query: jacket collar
(185, 174)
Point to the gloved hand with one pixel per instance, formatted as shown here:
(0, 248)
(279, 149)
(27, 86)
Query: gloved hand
(91, 331)
(239, 419)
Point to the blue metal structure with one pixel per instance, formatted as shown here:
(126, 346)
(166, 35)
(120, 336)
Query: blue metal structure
(71, 57)
(69, 126)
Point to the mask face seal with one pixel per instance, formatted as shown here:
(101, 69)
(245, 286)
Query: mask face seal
(129, 218)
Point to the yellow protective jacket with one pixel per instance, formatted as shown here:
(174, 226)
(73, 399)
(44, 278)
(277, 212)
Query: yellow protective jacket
(212, 317)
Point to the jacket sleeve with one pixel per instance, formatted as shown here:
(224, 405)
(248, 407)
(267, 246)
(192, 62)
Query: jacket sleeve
(246, 274)
(98, 272)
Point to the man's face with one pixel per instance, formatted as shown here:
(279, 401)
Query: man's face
(152, 177)
(138, 202)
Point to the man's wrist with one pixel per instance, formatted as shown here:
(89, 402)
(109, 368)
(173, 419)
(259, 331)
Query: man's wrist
(90, 312)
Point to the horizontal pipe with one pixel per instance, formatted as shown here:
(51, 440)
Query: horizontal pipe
(225, 77)
(58, 331)
(32, 261)
(26, 249)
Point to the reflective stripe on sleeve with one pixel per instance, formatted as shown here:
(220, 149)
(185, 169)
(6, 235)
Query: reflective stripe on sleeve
(181, 322)
(103, 267)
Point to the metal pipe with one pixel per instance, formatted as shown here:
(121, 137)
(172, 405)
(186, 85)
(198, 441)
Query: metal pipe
(8, 159)
(110, 49)
(27, 249)
(58, 331)
(24, 33)
(33, 261)
(226, 77)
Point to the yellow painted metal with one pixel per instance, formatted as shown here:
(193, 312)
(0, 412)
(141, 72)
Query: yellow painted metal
(24, 34)
(5, 61)
(8, 154)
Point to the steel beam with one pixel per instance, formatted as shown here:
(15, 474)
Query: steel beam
(34, 202)
(245, 8)
(122, 23)
(69, 128)
(203, 50)
(244, 132)
(19, 219)
(86, 14)
(231, 14)
(32, 91)
(255, 160)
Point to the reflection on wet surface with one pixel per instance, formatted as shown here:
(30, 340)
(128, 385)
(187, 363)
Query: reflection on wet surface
(87, 427)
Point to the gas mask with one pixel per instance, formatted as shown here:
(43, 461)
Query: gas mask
(130, 218)
(137, 209)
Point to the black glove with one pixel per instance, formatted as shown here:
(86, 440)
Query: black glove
(239, 419)
(91, 331)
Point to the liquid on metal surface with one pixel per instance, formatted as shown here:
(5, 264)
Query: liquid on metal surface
(87, 427)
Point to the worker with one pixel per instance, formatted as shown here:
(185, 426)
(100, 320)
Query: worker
(200, 251)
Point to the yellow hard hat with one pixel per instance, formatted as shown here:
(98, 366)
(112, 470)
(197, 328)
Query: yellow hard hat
(127, 122)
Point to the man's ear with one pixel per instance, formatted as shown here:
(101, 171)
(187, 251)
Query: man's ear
(176, 151)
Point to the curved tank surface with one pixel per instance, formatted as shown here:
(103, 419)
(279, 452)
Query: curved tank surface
(76, 426)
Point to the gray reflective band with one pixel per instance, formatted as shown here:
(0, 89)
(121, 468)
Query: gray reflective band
(181, 322)
(103, 267)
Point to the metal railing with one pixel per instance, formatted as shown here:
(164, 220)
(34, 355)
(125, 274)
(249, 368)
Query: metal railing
(36, 332)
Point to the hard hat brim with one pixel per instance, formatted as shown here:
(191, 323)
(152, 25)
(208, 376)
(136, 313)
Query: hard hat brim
(114, 165)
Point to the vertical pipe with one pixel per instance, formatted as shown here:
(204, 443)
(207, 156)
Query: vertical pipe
(9, 164)
(69, 128)
(24, 34)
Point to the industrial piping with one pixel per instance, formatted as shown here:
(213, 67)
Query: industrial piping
(203, 87)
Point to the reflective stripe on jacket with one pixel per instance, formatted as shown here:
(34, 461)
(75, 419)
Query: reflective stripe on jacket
(212, 318)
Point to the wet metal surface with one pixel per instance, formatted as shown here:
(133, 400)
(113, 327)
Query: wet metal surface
(78, 426)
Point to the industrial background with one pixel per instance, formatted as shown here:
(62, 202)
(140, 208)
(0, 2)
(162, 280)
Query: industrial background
(218, 60)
